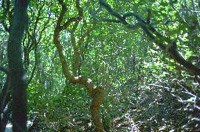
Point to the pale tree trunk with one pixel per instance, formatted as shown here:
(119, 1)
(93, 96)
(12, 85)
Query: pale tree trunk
(95, 92)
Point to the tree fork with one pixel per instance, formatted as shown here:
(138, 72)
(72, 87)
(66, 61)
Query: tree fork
(95, 92)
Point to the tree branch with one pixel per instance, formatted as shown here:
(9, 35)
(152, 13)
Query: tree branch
(155, 36)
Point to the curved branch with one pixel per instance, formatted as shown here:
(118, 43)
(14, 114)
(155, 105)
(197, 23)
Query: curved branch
(34, 67)
(112, 12)
(155, 36)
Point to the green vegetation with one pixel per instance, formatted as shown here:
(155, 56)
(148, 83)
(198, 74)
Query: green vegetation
(105, 65)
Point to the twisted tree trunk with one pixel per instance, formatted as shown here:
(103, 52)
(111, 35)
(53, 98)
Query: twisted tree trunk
(95, 92)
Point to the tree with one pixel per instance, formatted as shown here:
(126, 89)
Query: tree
(95, 92)
(17, 77)
(107, 65)
(154, 35)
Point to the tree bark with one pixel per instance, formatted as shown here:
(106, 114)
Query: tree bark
(15, 64)
(95, 92)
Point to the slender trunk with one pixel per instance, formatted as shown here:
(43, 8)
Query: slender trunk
(4, 99)
(97, 101)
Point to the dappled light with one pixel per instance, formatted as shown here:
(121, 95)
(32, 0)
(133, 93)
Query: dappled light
(100, 66)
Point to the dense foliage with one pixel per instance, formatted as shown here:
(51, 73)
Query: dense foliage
(108, 64)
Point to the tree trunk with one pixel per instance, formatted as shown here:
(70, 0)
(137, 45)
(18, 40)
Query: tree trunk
(15, 64)
(97, 101)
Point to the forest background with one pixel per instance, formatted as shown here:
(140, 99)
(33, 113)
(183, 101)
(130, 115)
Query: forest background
(106, 65)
